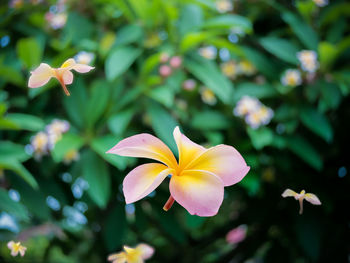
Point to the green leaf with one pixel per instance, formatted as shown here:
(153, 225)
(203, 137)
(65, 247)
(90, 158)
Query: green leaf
(119, 60)
(119, 122)
(252, 89)
(103, 144)
(163, 94)
(281, 48)
(115, 228)
(67, 143)
(261, 62)
(12, 207)
(210, 120)
(18, 168)
(13, 151)
(11, 75)
(302, 30)
(305, 151)
(129, 34)
(260, 137)
(328, 54)
(78, 28)
(95, 172)
(97, 103)
(26, 121)
(207, 72)
(29, 52)
(229, 22)
(317, 123)
(163, 124)
(191, 18)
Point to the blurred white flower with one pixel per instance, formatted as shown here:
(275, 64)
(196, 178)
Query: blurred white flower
(56, 21)
(308, 60)
(208, 52)
(246, 105)
(260, 117)
(321, 3)
(224, 6)
(84, 57)
(207, 96)
(292, 77)
(55, 130)
(40, 144)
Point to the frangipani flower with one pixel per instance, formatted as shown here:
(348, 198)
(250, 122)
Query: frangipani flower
(291, 77)
(260, 117)
(132, 255)
(16, 248)
(197, 179)
(308, 60)
(246, 105)
(40, 144)
(313, 199)
(42, 74)
(84, 57)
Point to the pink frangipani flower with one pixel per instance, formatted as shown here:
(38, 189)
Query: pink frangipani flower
(42, 74)
(16, 248)
(198, 178)
(313, 199)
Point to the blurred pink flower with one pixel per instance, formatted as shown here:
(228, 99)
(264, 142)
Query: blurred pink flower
(176, 62)
(189, 84)
(164, 57)
(165, 71)
(16, 248)
(132, 255)
(237, 234)
(198, 179)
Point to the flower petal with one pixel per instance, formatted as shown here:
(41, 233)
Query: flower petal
(224, 161)
(146, 250)
(10, 244)
(313, 199)
(82, 68)
(40, 76)
(68, 64)
(67, 77)
(288, 193)
(117, 257)
(142, 180)
(199, 192)
(188, 150)
(145, 146)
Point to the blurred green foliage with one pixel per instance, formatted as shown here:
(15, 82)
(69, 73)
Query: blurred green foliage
(126, 94)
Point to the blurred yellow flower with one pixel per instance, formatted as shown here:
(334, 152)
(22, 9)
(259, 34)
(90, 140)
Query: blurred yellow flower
(207, 96)
(16, 248)
(230, 69)
(224, 6)
(313, 199)
(132, 255)
(308, 60)
(40, 144)
(70, 156)
(208, 52)
(152, 40)
(246, 68)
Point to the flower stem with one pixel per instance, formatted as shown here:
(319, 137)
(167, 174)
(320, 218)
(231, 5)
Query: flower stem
(64, 87)
(169, 203)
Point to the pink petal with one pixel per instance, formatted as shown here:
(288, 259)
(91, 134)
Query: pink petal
(199, 192)
(117, 257)
(188, 150)
(67, 77)
(82, 68)
(145, 146)
(142, 180)
(40, 76)
(10, 244)
(313, 199)
(224, 161)
(146, 251)
(288, 193)
(237, 234)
